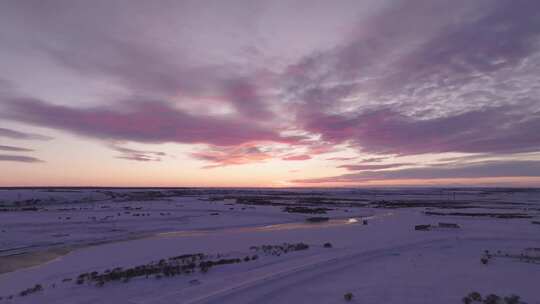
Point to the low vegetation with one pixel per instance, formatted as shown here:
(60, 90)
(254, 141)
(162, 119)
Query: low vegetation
(317, 219)
(278, 250)
(481, 214)
(184, 264)
(307, 210)
(422, 227)
(28, 291)
(527, 255)
(173, 266)
(475, 297)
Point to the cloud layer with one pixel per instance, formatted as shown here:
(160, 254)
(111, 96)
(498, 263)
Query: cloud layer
(19, 158)
(141, 121)
(380, 79)
(14, 149)
(495, 130)
(12, 134)
(473, 170)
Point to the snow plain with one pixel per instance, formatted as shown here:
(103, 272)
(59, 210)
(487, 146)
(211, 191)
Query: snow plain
(51, 236)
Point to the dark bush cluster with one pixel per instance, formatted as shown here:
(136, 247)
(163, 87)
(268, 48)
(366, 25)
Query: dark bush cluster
(183, 264)
(307, 210)
(173, 266)
(193, 257)
(28, 291)
(255, 201)
(19, 209)
(486, 257)
(481, 214)
(528, 255)
(280, 249)
(206, 265)
(475, 297)
(317, 219)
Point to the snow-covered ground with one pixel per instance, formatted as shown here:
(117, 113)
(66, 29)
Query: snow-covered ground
(51, 236)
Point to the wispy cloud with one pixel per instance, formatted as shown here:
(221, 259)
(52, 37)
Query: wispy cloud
(14, 149)
(342, 158)
(19, 158)
(297, 157)
(227, 156)
(471, 170)
(138, 155)
(373, 160)
(356, 167)
(8, 133)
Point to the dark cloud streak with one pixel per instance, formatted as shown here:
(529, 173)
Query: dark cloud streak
(138, 155)
(14, 149)
(374, 167)
(8, 133)
(19, 158)
(472, 170)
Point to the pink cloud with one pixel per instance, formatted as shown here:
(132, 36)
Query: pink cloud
(373, 167)
(143, 121)
(227, 156)
(341, 158)
(297, 157)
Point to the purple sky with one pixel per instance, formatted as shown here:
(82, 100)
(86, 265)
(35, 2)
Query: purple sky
(270, 93)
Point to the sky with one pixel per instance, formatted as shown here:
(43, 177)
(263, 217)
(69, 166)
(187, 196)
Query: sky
(246, 93)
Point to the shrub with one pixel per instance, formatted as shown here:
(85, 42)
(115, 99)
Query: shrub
(28, 291)
(513, 299)
(317, 219)
(475, 296)
(492, 299)
(301, 209)
(484, 260)
(348, 296)
(327, 245)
